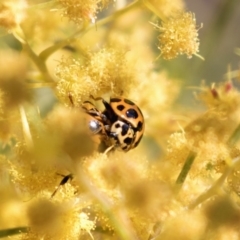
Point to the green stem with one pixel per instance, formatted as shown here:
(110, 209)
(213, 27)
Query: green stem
(48, 51)
(43, 5)
(234, 137)
(19, 34)
(216, 187)
(119, 13)
(12, 231)
(116, 214)
(186, 168)
(40, 64)
(45, 54)
(153, 9)
(40, 85)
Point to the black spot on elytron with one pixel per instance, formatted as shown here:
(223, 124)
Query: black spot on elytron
(128, 102)
(117, 125)
(131, 113)
(115, 100)
(125, 128)
(128, 140)
(139, 126)
(136, 143)
(120, 107)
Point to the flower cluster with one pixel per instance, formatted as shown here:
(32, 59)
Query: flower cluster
(80, 11)
(179, 35)
(104, 71)
(12, 13)
(57, 182)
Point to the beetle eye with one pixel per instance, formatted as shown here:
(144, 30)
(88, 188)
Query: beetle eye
(131, 113)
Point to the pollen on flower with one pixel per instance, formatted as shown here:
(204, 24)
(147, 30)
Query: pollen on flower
(85, 223)
(155, 196)
(46, 27)
(175, 226)
(12, 13)
(178, 36)
(177, 141)
(222, 211)
(70, 126)
(108, 174)
(12, 80)
(56, 183)
(57, 221)
(160, 91)
(37, 166)
(44, 216)
(30, 179)
(223, 99)
(104, 71)
(83, 10)
(177, 152)
(234, 179)
(111, 175)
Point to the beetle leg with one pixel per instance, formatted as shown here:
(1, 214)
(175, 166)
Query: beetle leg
(113, 135)
(95, 113)
(107, 128)
(71, 98)
(105, 103)
(109, 149)
(64, 181)
(96, 99)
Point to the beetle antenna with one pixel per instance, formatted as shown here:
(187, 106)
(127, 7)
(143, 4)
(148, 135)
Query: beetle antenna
(71, 98)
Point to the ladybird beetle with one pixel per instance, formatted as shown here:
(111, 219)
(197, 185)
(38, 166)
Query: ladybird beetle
(127, 122)
(122, 120)
(121, 124)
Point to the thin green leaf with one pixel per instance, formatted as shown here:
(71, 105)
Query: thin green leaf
(186, 168)
(12, 231)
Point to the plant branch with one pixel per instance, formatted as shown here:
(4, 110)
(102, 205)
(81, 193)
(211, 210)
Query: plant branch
(50, 50)
(12, 231)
